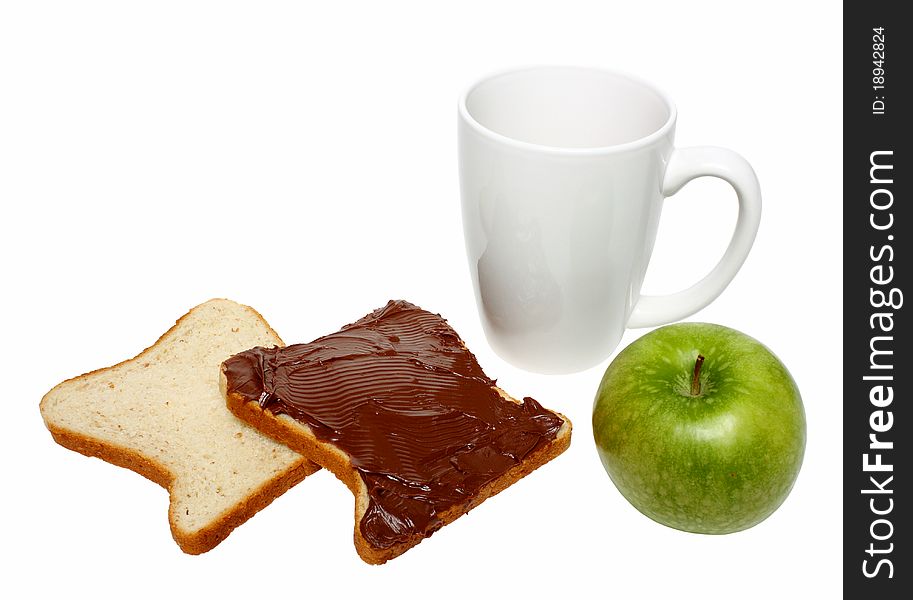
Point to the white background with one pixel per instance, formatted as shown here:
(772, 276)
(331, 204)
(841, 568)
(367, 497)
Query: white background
(303, 161)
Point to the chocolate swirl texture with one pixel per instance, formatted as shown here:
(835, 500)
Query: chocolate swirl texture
(401, 395)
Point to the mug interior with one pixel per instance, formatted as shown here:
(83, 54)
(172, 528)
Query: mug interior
(568, 107)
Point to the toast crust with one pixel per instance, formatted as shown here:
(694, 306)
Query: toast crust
(217, 530)
(300, 438)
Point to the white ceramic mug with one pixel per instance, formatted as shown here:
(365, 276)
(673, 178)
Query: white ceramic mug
(563, 172)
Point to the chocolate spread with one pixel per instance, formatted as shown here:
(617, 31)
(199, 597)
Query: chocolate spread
(402, 396)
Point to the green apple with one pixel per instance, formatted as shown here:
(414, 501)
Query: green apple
(700, 427)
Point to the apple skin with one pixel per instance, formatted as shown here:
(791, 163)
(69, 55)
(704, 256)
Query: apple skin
(715, 463)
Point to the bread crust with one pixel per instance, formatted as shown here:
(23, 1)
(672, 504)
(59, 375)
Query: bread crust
(300, 438)
(210, 536)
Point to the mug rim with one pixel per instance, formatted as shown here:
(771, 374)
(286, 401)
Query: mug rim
(641, 142)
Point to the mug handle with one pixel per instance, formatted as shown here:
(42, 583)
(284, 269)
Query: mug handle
(684, 165)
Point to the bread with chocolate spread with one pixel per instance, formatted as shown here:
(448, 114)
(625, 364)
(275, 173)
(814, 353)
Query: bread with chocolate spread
(398, 408)
(162, 415)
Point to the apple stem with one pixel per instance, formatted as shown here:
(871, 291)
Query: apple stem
(696, 376)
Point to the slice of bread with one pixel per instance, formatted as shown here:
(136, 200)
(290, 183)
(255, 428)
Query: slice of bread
(299, 436)
(161, 414)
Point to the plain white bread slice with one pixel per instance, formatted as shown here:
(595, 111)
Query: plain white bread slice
(162, 415)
